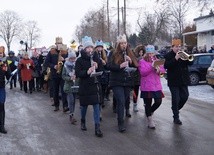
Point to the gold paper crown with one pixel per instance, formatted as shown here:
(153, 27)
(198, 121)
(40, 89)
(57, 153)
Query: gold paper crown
(121, 38)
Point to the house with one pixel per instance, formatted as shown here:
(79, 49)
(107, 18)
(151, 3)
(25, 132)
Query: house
(204, 31)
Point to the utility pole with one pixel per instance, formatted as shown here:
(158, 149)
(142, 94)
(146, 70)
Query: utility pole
(103, 21)
(108, 20)
(118, 16)
(122, 10)
(124, 18)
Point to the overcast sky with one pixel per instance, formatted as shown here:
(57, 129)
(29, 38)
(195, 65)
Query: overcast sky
(60, 18)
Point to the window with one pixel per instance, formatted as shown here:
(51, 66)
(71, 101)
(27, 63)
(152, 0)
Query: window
(205, 60)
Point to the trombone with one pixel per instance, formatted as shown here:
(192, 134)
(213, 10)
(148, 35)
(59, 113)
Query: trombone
(185, 56)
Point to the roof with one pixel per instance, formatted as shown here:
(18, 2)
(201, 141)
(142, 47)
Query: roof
(196, 32)
(202, 17)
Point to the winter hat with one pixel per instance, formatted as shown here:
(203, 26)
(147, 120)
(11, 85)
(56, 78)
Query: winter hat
(150, 49)
(25, 53)
(121, 38)
(71, 54)
(87, 41)
(99, 43)
(52, 46)
(11, 52)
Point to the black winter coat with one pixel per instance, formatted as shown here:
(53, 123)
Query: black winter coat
(88, 87)
(118, 76)
(177, 71)
(52, 60)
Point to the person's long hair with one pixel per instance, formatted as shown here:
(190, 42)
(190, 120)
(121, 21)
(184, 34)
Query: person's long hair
(118, 57)
(103, 54)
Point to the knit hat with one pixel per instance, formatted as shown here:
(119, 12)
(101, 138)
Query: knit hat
(87, 41)
(121, 38)
(150, 49)
(11, 52)
(52, 46)
(99, 43)
(71, 54)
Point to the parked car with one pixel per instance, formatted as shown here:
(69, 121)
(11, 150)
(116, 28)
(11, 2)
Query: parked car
(198, 71)
(210, 75)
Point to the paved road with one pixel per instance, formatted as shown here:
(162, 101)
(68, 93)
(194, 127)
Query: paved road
(33, 128)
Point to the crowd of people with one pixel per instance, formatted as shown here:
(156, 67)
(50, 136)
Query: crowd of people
(90, 73)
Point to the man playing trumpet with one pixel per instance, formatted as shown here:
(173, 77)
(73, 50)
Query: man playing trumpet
(178, 80)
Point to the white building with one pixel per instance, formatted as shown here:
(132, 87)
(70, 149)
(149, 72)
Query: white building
(204, 31)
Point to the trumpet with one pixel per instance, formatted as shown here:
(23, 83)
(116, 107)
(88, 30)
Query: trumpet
(185, 56)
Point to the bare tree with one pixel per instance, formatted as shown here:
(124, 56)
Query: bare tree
(31, 33)
(10, 24)
(179, 9)
(152, 26)
(94, 24)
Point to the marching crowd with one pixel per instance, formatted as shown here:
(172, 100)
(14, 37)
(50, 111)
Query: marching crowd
(90, 73)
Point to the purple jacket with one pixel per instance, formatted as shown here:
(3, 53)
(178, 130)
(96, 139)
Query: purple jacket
(149, 79)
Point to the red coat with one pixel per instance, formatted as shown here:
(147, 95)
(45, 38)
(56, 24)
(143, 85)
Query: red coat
(26, 66)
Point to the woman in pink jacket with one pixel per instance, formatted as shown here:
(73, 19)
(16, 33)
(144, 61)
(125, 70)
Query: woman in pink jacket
(150, 84)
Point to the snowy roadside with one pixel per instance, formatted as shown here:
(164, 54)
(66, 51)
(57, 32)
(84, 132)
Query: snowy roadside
(201, 92)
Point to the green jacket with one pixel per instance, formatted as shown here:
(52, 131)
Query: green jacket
(68, 81)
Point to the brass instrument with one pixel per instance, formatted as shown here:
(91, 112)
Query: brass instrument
(59, 63)
(47, 76)
(157, 63)
(185, 56)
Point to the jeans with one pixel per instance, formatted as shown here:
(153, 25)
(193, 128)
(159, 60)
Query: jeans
(71, 102)
(179, 98)
(96, 113)
(122, 96)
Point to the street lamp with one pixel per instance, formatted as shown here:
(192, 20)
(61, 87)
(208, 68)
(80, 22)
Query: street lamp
(25, 43)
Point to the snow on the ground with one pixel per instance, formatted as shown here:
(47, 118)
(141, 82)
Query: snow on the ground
(201, 92)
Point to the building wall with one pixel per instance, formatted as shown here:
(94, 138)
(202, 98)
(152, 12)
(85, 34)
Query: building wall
(205, 39)
(205, 24)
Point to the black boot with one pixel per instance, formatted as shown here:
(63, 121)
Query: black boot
(83, 127)
(98, 132)
(11, 86)
(121, 127)
(176, 119)
(128, 113)
(56, 108)
(2, 118)
(65, 109)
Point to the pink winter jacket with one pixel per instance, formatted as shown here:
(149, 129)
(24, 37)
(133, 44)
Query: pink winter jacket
(149, 79)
